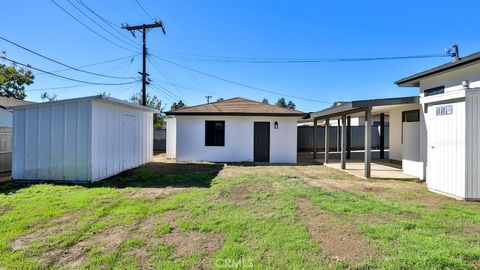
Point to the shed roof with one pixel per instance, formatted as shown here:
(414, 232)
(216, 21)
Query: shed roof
(237, 106)
(414, 80)
(358, 105)
(101, 98)
(6, 102)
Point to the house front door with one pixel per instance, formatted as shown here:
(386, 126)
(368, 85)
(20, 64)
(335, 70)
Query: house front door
(261, 141)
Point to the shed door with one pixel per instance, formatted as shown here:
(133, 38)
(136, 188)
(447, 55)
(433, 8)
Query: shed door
(129, 141)
(446, 148)
(261, 141)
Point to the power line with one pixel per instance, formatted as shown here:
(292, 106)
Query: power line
(54, 88)
(103, 28)
(275, 60)
(62, 64)
(107, 22)
(144, 10)
(89, 28)
(60, 76)
(94, 64)
(240, 84)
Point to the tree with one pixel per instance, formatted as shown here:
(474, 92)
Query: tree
(154, 103)
(179, 105)
(13, 80)
(220, 99)
(47, 97)
(281, 103)
(291, 105)
(265, 101)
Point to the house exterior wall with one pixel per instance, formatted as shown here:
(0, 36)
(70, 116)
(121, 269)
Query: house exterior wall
(190, 139)
(472, 140)
(52, 142)
(395, 132)
(122, 139)
(452, 80)
(6, 117)
(171, 151)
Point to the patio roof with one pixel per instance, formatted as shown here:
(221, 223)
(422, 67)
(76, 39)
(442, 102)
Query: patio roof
(362, 105)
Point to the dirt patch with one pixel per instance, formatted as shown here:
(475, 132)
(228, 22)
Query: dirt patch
(190, 242)
(59, 225)
(240, 194)
(108, 240)
(338, 237)
(411, 192)
(153, 192)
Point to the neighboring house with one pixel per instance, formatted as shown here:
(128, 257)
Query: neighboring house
(80, 140)
(6, 115)
(449, 145)
(233, 130)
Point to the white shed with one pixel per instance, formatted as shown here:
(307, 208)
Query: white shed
(233, 130)
(80, 140)
(450, 126)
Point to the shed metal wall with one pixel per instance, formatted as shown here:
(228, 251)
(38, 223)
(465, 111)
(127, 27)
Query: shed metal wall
(52, 142)
(111, 138)
(472, 184)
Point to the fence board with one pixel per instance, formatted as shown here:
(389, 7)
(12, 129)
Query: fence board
(159, 139)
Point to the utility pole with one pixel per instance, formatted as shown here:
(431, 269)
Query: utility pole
(144, 28)
(208, 98)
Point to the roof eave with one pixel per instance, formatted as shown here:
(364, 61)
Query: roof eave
(233, 114)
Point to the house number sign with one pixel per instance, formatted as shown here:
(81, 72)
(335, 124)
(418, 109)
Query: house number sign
(445, 110)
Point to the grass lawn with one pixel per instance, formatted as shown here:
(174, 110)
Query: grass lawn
(198, 215)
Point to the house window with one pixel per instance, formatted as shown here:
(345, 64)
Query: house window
(434, 91)
(214, 133)
(411, 116)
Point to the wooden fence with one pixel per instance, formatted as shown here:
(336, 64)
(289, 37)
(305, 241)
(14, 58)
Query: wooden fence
(5, 149)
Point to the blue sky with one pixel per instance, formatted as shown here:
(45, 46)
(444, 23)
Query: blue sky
(247, 28)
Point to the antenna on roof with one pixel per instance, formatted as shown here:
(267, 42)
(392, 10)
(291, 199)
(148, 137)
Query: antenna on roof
(208, 98)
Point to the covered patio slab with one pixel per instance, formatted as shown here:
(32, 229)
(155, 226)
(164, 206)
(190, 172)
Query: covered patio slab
(379, 169)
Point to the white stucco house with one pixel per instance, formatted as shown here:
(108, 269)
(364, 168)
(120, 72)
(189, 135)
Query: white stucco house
(449, 130)
(233, 130)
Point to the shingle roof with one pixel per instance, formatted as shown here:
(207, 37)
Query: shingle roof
(10, 102)
(414, 80)
(236, 106)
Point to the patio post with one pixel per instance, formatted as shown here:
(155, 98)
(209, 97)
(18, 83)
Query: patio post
(343, 141)
(339, 135)
(327, 140)
(368, 142)
(382, 136)
(349, 137)
(315, 138)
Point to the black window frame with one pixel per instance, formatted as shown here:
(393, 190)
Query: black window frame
(434, 91)
(404, 116)
(214, 134)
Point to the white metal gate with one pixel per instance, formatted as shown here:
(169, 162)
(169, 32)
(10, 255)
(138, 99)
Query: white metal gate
(446, 148)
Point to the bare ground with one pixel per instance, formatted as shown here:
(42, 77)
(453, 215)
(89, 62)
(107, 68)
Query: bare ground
(153, 192)
(337, 237)
(183, 243)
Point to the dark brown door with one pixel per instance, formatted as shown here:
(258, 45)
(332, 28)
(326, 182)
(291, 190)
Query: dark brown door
(261, 141)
